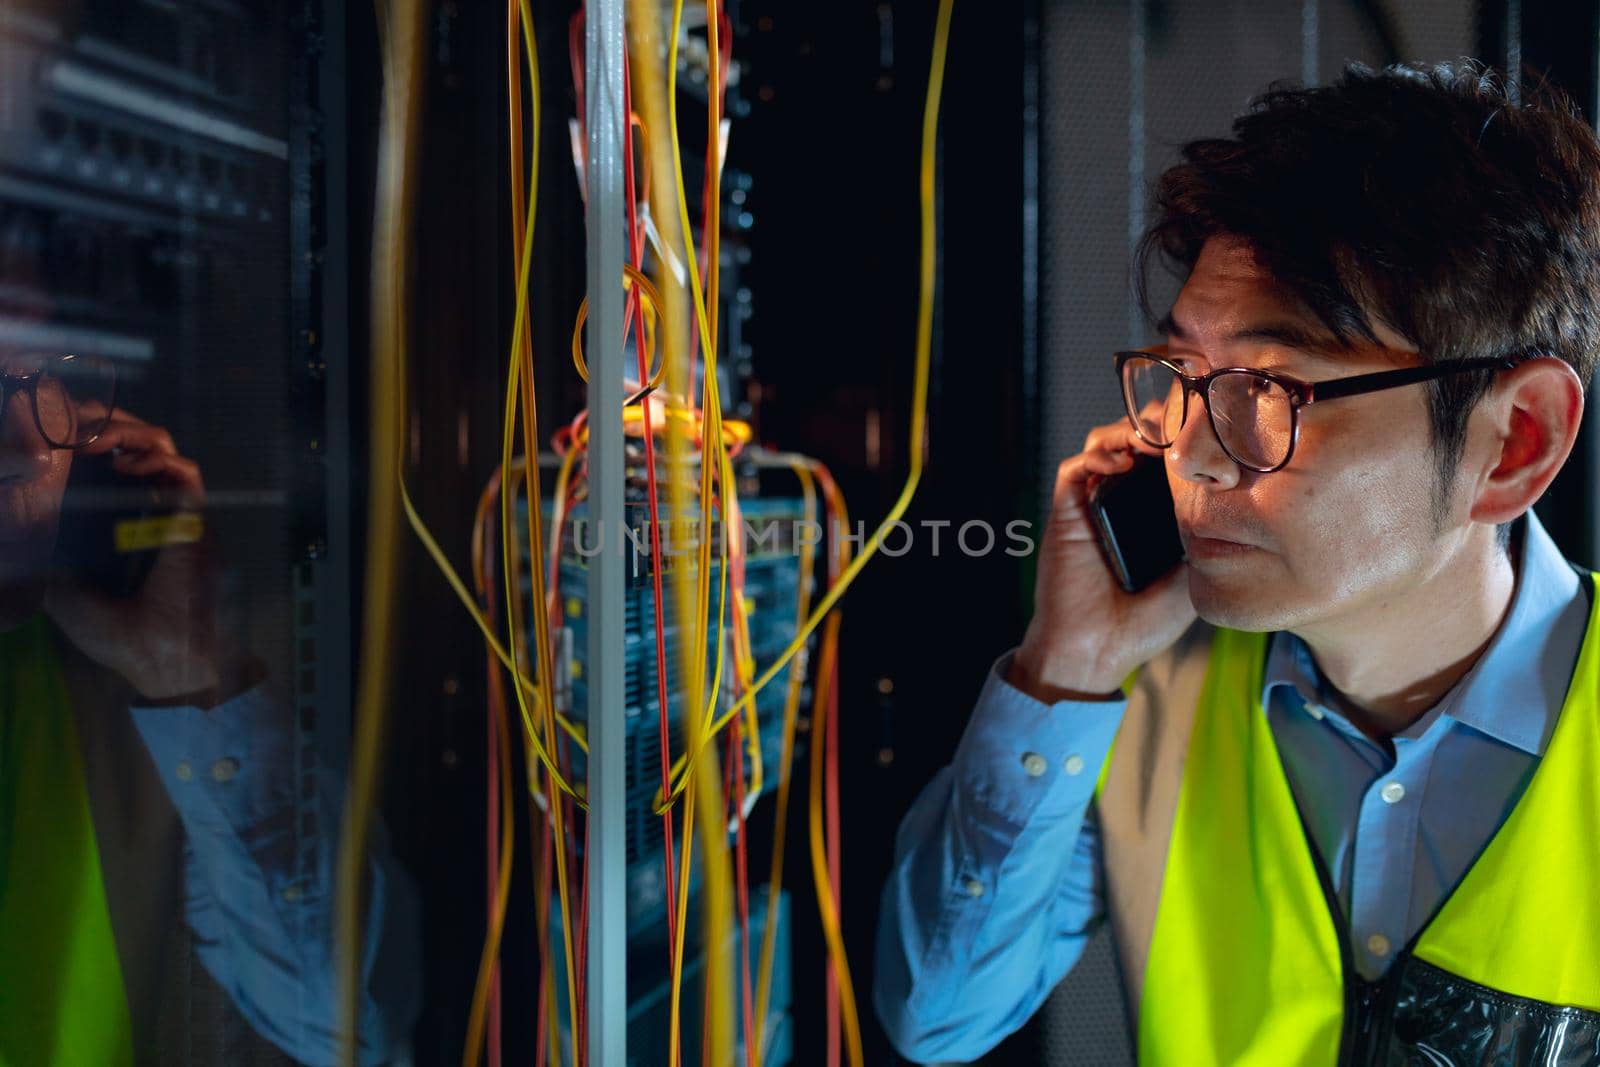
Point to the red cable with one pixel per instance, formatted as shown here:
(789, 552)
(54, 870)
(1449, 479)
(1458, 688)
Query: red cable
(542, 916)
(636, 241)
(733, 809)
(727, 801)
(575, 57)
(570, 844)
(583, 948)
(712, 173)
(490, 886)
(492, 819)
(742, 882)
(830, 753)
(831, 787)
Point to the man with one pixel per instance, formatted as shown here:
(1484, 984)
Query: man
(1345, 809)
(151, 814)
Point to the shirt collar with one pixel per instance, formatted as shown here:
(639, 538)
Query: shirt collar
(1545, 625)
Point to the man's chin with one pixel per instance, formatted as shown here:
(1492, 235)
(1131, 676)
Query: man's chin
(1237, 602)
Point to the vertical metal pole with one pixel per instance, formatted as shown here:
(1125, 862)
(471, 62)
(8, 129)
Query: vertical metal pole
(1138, 19)
(608, 918)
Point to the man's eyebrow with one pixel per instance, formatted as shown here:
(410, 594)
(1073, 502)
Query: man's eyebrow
(1290, 335)
(1286, 333)
(1170, 326)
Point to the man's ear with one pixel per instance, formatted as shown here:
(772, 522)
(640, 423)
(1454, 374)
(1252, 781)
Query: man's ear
(1527, 426)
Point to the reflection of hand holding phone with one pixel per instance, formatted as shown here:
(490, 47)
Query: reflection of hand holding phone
(1134, 520)
(112, 526)
(138, 569)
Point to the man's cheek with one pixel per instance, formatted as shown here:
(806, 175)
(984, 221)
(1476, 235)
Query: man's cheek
(29, 526)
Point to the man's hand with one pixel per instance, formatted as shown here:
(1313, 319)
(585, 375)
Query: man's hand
(1087, 633)
(163, 639)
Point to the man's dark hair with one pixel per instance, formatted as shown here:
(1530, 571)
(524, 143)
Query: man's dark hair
(1422, 195)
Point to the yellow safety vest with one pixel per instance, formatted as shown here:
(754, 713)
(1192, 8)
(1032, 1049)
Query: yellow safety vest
(1244, 960)
(62, 1001)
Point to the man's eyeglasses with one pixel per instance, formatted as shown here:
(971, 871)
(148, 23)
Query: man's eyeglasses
(1254, 413)
(71, 396)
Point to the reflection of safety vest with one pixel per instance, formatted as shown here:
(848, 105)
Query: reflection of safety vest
(97, 962)
(61, 994)
(1233, 945)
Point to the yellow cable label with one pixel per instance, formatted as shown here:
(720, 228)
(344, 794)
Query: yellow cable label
(141, 535)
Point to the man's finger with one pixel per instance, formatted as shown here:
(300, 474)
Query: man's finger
(179, 472)
(1108, 461)
(131, 436)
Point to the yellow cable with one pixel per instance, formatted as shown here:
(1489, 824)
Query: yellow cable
(681, 905)
(711, 225)
(734, 431)
(712, 406)
(477, 1017)
(919, 405)
(651, 299)
(692, 604)
(519, 385)
(744, 665)
(447, 570)
(780, 823)
(826, 906)
(419, 527)
(716, 907)
(400, 33)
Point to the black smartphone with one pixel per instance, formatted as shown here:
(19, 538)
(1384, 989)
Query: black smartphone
(1133, 515)
(112, 526)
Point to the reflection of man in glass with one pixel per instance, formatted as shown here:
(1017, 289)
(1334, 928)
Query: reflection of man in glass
(166, 872)
(143, 768)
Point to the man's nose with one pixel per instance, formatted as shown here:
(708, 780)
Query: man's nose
(1197, 453)
(24, 453)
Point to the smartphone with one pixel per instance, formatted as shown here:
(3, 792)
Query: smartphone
(1133, 516)
(106, 520)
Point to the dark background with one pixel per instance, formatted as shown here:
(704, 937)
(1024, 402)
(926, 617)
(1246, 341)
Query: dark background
(1057, 116)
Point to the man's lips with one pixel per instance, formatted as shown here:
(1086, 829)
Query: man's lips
(1209, 542)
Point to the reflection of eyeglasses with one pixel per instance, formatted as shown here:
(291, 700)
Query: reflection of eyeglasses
(1254, 413)
(71, 396)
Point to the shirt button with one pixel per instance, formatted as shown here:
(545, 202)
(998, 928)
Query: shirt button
(183, 771)
(1074, 765)
(1315, 711)
(224, 769)
(1392, 793)
(292, 894)
(1034, 764)
(1378, 945)
(973, 887)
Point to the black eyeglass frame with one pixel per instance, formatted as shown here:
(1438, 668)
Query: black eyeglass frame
(1300, 392)
(11, 384)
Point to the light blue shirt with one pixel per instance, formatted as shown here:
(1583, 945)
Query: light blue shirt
(262, 914)
(997, 882)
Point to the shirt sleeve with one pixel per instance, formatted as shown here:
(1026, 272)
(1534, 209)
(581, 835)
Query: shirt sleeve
(259, 879)
(996, 884)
